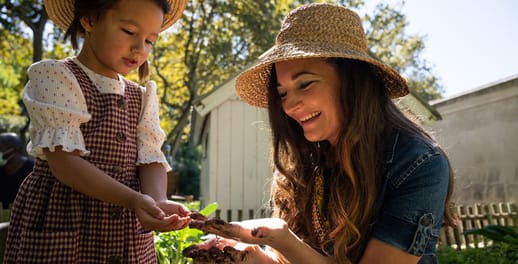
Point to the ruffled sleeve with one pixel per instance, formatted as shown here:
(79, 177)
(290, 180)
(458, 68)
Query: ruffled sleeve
(56, 108)
(150, 135)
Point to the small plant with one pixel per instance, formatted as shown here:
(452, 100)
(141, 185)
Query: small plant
(503, 250)
(497, 233)
(169, 245)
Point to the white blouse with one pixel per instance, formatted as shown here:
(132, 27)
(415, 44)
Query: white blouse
(57, 108)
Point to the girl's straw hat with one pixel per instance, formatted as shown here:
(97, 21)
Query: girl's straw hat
(318, 30)
(61, 12)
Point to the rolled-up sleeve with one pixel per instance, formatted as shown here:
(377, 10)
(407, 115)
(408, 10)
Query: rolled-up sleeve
(56, 107)
(150, 135)
(412, 213)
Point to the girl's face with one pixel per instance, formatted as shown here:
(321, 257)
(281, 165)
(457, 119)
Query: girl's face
(121, 39)
(309, 93)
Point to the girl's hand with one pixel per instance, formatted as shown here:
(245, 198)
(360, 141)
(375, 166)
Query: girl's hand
(152, 217)
(176, 212)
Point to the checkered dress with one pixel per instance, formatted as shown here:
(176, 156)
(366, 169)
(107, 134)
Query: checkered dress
(51, 223)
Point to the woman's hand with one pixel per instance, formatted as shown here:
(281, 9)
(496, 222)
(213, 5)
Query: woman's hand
(266, 231)
(273, 232)
(222, 250)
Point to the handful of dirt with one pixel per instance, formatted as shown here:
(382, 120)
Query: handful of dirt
(214, 255)
(203, 223)
(212, 251)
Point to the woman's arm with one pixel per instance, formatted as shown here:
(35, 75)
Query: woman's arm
(273, 232)
(294, 250)
(381, 252)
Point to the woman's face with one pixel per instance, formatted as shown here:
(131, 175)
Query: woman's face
(309, 93)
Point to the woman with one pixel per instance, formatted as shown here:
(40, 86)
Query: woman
(356, 180)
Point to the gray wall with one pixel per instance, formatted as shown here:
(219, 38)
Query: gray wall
(479, 131)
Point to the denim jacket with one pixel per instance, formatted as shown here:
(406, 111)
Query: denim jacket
(412, 198)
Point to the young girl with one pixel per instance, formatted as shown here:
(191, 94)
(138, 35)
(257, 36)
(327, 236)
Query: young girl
(98, 187)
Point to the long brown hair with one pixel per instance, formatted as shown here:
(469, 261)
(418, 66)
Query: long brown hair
(354, 163)
(93, 9)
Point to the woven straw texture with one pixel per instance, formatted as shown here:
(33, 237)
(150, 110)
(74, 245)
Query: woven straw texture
(318, 30)
(61, 12)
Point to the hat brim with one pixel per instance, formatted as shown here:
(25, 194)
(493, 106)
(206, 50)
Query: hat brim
(251, 85)
(177, 8)
(61, 12)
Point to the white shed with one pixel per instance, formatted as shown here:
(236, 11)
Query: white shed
(235, 142)
(479, 131)
(236, 162)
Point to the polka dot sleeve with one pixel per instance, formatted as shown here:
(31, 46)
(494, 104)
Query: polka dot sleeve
(150, 135)
(56, 108)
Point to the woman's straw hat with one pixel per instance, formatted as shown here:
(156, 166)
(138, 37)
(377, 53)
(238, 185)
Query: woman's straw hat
(318, 30)
(61, 12)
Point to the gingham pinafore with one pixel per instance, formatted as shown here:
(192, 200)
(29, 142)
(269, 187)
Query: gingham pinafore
(51, 223)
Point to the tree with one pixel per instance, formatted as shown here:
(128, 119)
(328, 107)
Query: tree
(14, 51)
(213, 40)
(388, 41)
(33, 15)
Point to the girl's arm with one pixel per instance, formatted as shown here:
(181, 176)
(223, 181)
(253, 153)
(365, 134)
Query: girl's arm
(153, 182)
(151, 162)
(84, 177)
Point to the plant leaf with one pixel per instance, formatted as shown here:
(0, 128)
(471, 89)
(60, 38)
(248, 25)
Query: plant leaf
(209, 209)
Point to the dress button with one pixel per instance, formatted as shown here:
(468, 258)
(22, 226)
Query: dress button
(426, 220)
(115, 212)
(116, 169)
(121, 137)
(121, 103)
(114, 260)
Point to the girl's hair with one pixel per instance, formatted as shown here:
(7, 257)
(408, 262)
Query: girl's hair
(354, 164)
(94, 9)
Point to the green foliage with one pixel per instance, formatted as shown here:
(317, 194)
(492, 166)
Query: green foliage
(505, 234)
(169, 245)
(11, 123)
(499, 253)
(503, 250)
(22, 25)
(211, 42)
(15, 56)
(187, 164)
(389, 42)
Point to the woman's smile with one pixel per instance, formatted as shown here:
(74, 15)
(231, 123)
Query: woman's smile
(310, 117)
(309, 93)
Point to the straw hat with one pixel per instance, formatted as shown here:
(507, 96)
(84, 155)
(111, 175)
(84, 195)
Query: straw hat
(61, 12)
(319, 30)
